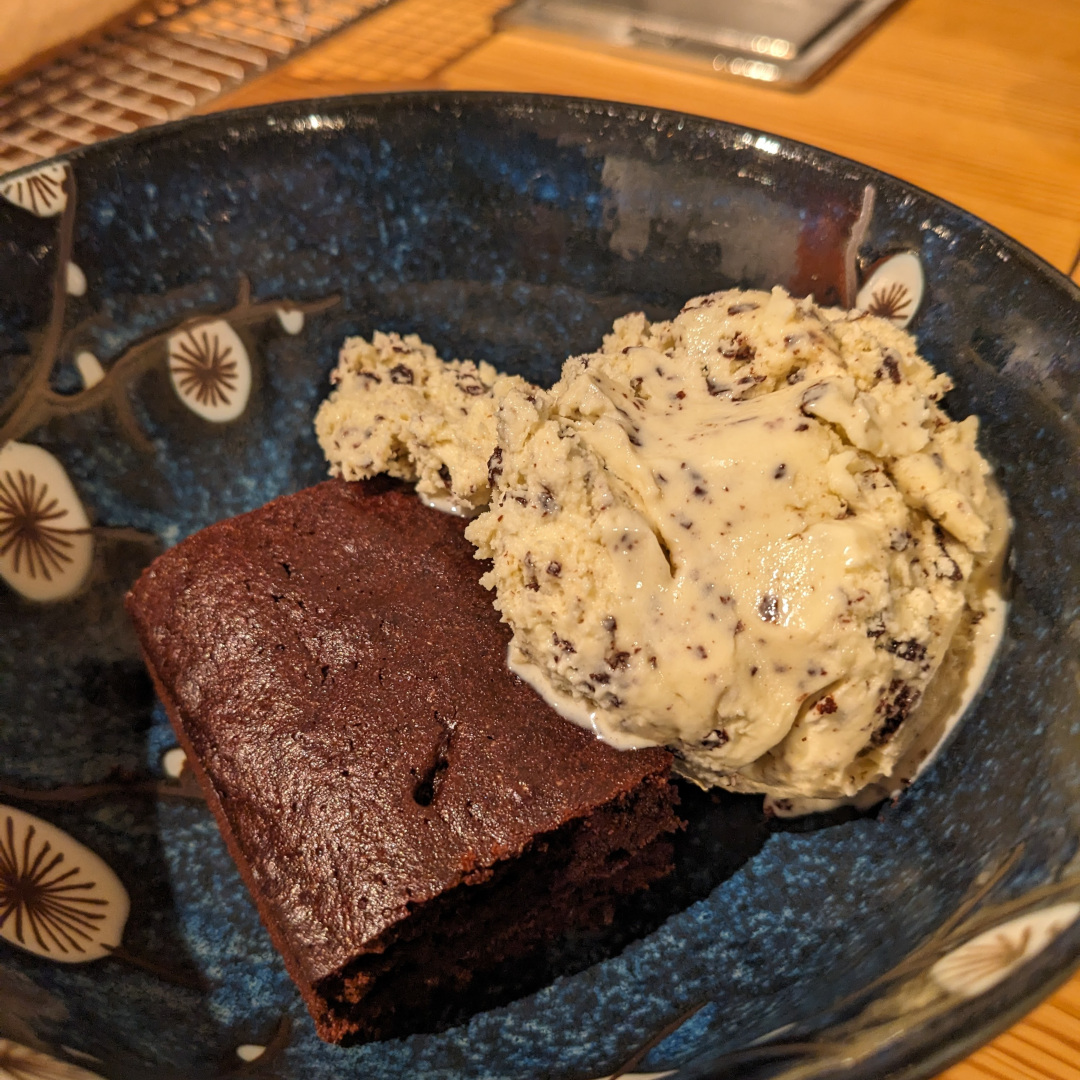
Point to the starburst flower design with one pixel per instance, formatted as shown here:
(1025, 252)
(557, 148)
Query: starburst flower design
(23, 1063)
(58, 899)
(41, 192)
(46, 542)
(997, 953)
(894, 289)
(29, 529)
(57, 907)
(986, 960)
(210, 370)
(892, 301)
(202, 367)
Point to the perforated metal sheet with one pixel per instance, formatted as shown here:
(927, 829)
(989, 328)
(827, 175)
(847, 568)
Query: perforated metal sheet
(169, 58)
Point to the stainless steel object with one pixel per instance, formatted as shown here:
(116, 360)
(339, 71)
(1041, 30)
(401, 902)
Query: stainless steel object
(787, 42)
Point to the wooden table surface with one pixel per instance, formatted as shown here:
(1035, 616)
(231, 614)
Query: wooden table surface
(976, 100)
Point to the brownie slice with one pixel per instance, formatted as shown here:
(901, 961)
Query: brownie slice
(407, 814)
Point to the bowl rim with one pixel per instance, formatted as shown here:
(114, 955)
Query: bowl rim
(807, 154)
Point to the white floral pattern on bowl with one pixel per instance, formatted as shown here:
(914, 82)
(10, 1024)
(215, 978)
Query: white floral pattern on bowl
(981, 963)
(41, 192)
(21, 1063)
(894, 289)
(57, 898)
(210, 370)
(46, 547)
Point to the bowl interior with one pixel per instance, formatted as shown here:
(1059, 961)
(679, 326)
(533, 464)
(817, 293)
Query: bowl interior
(513, 230)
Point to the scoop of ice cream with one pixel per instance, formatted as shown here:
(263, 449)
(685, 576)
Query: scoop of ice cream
(399, 409)
(749, 533)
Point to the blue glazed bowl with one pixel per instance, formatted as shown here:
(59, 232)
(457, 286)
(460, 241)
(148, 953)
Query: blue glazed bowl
(512, 229)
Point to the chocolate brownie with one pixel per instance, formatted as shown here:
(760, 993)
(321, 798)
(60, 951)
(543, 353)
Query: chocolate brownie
(407, 814)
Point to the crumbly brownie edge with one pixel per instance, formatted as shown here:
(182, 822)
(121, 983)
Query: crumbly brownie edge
(571, 886)
(312, 1000)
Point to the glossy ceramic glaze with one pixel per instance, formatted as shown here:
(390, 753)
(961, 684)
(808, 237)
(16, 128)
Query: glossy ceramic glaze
(170, 307)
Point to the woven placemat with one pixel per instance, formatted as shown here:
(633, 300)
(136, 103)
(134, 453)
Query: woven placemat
(163, 61)
(407, 41)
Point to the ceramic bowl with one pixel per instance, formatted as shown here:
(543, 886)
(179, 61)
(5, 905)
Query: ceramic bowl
(170, 307)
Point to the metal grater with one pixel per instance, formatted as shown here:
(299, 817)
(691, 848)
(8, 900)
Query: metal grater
(168, 58)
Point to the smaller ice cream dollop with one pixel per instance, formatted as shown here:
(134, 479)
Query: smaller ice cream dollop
(749, 534)
(399, 409)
